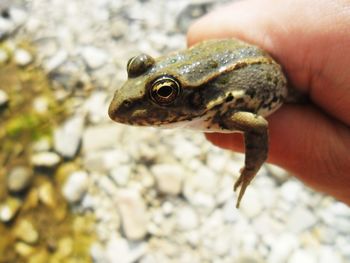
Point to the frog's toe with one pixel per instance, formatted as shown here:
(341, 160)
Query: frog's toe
(243, 182)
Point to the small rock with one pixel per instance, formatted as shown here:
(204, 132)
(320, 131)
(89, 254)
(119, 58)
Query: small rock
(18, 16)
(45, 159)
(65, 247)
(192, 12)
(67, 138)
(169, 178)
(133, 214)
(96, 106)
(4, 99)
(302, 255)
(55, 61)
(168, 208)
(107, 135)
(19, 179)
(47, 194)
(4, 57)
(282, 247)
(9, 209)
(118, 28)
(22, 57)
(24, 249)
(279, 174)
(94, 57)
(200, 188)
(254, 258)
(186, 219)
(25, 231)
(121, 174)
(76, 186)
(41, 104)
(301, 219)
(97, 252)
(6, 28)
(290, 190)
(42, 145)
(121, 251)
(328, 254)
(252, 205)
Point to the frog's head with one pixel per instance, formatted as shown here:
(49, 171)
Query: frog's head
(154, 95)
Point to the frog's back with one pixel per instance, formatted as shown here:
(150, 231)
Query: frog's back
(209, 59)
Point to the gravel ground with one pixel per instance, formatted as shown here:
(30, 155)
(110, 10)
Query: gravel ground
(160, 195)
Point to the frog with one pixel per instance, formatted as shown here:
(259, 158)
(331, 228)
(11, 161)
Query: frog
(218, 85)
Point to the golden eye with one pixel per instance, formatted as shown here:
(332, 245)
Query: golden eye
(164, 90)
(138, 65)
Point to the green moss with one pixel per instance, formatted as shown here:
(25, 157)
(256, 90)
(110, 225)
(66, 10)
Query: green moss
(20, 126)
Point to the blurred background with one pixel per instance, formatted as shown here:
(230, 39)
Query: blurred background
(75, 187)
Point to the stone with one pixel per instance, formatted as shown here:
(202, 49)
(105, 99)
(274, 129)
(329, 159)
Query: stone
(120, 250)
(118, 28)
(169, 178)
(282, 247)
(279, 174)
(328, 254)
(133, 214)
(200, 188)
(65, 246)
(25, 231)
(105, 160)
(22, 57)
(191, 12)
(6, 28)
(186, 219)
(251, 205)
(45, 159)
(121, 174)
(42, 145)
(230, 212)
(19, 179)
(41, 104)
(167, 208)
(55, 61)
(97, 252)
(67, 138)
(303, 255)
(9, 209)
(301, 219)
(47, 194)
(24, 249)
(4, 99)
(96, 106)
(253, 258)
(94, 57)
(4, 58)
(18, 15)
(107, 135)
(290, 190)
(76, 186)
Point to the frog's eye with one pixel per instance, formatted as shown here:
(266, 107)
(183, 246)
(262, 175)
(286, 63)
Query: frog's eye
(164, 90)
(138, 65)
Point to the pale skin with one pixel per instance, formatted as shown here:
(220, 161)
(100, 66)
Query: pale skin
(311, 40)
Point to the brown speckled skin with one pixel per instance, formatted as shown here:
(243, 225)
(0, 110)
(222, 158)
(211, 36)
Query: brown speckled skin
(232, 84)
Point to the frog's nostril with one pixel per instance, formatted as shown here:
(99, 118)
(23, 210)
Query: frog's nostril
(126, 103)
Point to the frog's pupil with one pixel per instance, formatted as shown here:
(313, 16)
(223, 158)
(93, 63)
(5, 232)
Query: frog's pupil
(165, 91)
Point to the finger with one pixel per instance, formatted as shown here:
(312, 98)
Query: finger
(309, 144)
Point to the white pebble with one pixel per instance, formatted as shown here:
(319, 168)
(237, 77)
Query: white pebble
(75, 186)
(22, 57)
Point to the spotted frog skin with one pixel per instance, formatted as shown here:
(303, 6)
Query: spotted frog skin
(220, 86)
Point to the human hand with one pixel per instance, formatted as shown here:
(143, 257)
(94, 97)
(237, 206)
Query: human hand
(311, 40)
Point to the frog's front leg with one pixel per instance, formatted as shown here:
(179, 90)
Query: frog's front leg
(255, 129)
